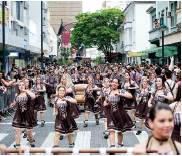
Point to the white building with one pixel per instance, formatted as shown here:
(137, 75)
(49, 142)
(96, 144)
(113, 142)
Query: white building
(115, 4)
(35, 16)
(134, 30)
(53, 42)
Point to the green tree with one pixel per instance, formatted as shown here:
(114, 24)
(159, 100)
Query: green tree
(66, 52)
(97, 29)
(99, 60)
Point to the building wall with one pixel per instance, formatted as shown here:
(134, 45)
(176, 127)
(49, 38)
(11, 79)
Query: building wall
(65, 10)
(53, 43)
(142, 26)
(35, 15)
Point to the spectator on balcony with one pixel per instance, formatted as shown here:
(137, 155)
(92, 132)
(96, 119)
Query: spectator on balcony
(156, 24)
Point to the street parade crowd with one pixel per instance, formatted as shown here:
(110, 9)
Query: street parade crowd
(151, 93)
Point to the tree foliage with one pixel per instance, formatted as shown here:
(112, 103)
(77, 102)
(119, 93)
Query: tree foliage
(98, 60)
(97, 29)
(66, 52)
(64, 62)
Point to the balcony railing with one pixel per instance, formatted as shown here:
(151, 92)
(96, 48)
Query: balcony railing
(12, 40)
(128, 25)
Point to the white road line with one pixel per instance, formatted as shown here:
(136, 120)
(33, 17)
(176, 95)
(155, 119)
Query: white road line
(82, 140)
(142, 137)
(22, 142)
(49, 141)
(3, 135)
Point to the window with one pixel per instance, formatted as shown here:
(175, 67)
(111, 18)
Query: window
(166, 18)
(173, 11)
(153, 19)
(18, 10)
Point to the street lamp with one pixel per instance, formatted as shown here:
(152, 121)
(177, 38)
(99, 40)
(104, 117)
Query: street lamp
(162, 28)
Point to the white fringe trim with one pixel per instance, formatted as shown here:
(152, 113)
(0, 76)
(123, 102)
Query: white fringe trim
(67, 133)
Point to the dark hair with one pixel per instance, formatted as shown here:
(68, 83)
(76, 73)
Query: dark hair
(62, 87)
(153, 111)
(168, 73)
(178, 76)
(132, 68)
(158, 71)
(178, 96)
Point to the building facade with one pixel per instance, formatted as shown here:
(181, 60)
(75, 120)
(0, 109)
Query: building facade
(134, 31)
(65, 10)
(172, 35)
(16, 32)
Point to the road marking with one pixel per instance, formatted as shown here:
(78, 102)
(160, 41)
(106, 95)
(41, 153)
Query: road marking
(142, 136)
(22, 142)
(82, 140)
(3, 135)
(49, 141)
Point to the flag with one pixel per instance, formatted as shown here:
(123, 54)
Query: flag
(66, 37)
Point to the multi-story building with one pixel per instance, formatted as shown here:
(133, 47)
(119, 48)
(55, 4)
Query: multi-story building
(35, 16)
(134, 31)
(115, 4)
(65, 10)
(16, 32)
(172, 35)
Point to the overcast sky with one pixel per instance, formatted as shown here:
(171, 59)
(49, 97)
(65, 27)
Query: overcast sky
(91, 5)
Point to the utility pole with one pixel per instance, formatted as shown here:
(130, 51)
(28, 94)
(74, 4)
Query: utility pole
(61, 37)
(42, 53)
(3, 18)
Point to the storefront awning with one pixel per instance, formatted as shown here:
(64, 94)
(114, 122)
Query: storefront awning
(168, 51)
(134, 53)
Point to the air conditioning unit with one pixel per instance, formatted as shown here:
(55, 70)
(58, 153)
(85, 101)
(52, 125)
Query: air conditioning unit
(169, 14)
(45, 10)
(25, 5)
(15, 25)
(26, 31)
(44, 35)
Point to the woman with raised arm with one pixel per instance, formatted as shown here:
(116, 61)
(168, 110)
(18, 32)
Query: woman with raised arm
(23, 118)
(39, 101)
(130, 86)
(64, 123)
(90, 105)
(176, 108)
(143, 95)
(117, 118)
(160, 95)
(162, 122)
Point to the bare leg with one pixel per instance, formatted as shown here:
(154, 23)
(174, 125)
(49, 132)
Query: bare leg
(42, 115)
(70, 138)
(132, 115)
(120, 137)
(112, 138)
(17, 136)
(86, 115)
(30, 136)
(105, 124)
(141, 124)
(56, 139)
(96, 116)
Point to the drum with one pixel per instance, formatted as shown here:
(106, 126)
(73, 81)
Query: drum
(80, 87)
(79, 99)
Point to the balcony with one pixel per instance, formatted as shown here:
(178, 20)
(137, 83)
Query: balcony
(154, 37)
(128, 47)
(12, 40)
(128, 25)
(178, 17)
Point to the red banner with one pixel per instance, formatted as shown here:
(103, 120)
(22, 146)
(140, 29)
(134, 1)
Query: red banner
(66, 37)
